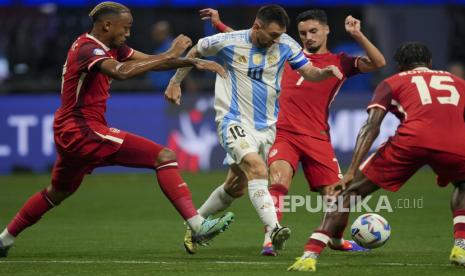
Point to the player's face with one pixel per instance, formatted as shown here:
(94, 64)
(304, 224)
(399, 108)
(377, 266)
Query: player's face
(120, 29)
(313, 35)
(267, 35)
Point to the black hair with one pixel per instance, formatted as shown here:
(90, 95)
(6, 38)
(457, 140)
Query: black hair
(273, 13)
(317, 15)
(107, 7)
(412, 54)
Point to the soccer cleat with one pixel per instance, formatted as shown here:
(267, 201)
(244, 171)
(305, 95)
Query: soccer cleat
(349, 246)
(189, 245)
(457, 256)
(279, 236)
(4, 250)
(268, 250)
(303, 264)
(212, 227)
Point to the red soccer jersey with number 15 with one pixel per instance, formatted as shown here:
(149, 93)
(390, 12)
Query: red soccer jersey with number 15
(84, 90)
(430, 105)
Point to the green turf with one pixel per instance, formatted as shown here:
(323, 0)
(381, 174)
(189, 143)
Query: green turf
(122, 225)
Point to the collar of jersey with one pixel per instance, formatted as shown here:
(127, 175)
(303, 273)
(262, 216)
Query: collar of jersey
(421, 69)
(98, 41)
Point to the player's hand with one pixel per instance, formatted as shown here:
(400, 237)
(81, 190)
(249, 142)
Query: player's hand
(336, 189)
(353, 26)
(332, 71)
(180, 45)
(207, 65)
(210, 14)
(173, 93)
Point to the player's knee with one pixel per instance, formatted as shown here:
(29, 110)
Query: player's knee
(57, 196)
(280, 174)
(165, 155)
(257, 171)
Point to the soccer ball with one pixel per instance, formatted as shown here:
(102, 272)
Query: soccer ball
(370, 231)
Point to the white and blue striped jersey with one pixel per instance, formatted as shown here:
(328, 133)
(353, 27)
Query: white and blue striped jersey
(250, 94)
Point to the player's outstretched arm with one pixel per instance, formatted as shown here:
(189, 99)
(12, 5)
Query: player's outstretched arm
(173, 90)
(374, 59)
(214, 17)
(365, 139)
(169, 60)
(312, 73)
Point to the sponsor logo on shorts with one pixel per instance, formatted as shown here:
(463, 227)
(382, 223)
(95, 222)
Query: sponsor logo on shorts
(115, 130)
(273, 152)
(244, 145)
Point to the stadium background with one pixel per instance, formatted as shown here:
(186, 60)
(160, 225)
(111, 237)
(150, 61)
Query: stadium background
(119, 223)
(36, 35)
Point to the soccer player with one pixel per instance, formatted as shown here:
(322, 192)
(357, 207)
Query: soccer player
(429, 105)
(302, 127)
(246, 109)
(82, 137)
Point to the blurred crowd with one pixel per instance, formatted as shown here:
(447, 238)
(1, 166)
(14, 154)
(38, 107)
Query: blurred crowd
(34, 42)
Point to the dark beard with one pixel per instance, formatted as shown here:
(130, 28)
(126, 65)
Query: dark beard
(313, 49)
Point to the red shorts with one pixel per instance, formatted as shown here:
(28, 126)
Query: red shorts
(106, 148)
(393, 164)
(317, 156)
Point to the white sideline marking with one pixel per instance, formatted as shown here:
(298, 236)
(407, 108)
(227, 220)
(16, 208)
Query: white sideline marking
(200, 261)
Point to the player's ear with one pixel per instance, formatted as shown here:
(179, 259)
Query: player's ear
(327, 31)
(256, 25)
(106, 25)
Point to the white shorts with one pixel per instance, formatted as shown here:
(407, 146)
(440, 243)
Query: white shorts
(239, 140)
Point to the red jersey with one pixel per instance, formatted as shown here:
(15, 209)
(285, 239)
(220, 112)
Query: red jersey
(430, 105)
(84, 90)
(304, 105)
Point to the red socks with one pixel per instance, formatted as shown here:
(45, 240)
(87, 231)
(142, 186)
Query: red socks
(175, 189)
(277, 191)
(30, 213)
(317, 242)
(459, 224)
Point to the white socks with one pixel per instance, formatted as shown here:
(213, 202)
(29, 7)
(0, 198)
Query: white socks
(218, 201)
(195, 222)
(6, 238)
(460, 243)
(263, 203)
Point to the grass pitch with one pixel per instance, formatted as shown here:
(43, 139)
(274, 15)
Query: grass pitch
(121, 224)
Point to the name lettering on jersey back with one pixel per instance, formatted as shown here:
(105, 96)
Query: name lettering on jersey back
(414, 72)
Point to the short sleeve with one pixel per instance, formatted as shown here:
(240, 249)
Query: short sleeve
(211, 45)
(124, 52)
(296, 57)
(89, 54)
(349, 65)
(382, 96)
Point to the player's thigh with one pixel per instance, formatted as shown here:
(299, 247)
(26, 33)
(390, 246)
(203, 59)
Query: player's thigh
(236, 181)
(319, 163)
(449, 167)
(283, 161)
(254, 166)
(392, 165)
(238, 141)
(136, 152)
(68, 173)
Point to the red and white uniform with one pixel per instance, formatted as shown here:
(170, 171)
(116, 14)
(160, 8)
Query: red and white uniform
(82, 137)
(302, 127)
(430, 105)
